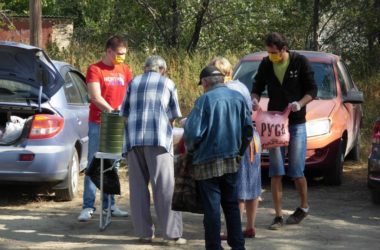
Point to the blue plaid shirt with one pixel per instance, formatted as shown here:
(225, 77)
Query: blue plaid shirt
(150, 103)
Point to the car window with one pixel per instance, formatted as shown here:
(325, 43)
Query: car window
(323, 76)
(324, 79)
(81, 85)
(346, 75)
(16, 91)
(342, 82)
(245, 72)
(71, 91)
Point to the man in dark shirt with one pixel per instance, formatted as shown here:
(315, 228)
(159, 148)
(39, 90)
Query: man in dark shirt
(289, 80)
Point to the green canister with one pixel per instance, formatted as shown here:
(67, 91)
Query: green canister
(111, 133)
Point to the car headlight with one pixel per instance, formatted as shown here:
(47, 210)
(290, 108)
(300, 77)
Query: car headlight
(318, 127)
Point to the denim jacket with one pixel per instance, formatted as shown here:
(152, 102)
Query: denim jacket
(219, 126)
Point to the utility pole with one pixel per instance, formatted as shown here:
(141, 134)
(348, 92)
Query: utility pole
(35, 23)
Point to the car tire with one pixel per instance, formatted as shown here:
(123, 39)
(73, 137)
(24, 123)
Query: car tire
(354, 154)
(375, 196)
(72, 181)
(334, 174)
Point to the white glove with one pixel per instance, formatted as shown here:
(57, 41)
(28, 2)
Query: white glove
(295, 106)
(255, 104)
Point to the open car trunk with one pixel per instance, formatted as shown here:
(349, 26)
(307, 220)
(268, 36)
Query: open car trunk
(16, 121)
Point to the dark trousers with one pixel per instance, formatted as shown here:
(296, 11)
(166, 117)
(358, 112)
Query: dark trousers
(215, 192)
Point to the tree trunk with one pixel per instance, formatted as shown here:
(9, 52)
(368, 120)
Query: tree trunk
(315, 44)
(175, 24)
(198, 26)
(35, 20)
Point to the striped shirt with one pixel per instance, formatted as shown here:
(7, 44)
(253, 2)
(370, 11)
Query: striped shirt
(150, 104)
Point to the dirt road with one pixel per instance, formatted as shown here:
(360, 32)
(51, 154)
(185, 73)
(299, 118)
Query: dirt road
(340, 218)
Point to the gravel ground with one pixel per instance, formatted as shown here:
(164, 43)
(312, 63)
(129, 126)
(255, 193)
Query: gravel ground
(341, 217)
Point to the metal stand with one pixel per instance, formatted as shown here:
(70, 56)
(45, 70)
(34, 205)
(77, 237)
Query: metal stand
(104, 222)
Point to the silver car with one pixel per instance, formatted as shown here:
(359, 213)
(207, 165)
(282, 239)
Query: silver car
(43, 120)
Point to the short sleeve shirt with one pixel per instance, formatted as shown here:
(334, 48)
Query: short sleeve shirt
(113, 82)
(150, 104)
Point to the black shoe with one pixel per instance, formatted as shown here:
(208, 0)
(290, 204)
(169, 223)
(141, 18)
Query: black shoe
(277, 223)
(296, 217)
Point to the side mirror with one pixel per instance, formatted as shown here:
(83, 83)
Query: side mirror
(354, 97)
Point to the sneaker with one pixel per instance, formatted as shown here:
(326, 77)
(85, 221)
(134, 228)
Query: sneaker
(117, 212)
(277, 223)
(85, 215)
(146, 240)
(296, 217)
(176, 241)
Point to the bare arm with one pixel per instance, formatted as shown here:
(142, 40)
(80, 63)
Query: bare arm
(254, 96)
(96, 97)
(255, 101)
(172, 122)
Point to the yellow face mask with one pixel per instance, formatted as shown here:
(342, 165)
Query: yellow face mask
(227, 78)
(119, 59)
(275, 58)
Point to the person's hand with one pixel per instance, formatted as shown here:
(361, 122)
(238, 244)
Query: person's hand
(255, 104)
(295, 106)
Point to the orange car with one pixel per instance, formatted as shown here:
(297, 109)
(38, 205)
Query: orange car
(334, 118)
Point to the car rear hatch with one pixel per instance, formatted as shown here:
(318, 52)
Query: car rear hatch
(31, 66)
(28, 79)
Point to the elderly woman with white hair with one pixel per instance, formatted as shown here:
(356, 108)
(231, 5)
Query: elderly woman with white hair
(150, 107)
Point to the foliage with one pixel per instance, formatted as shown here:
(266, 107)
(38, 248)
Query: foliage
(190, 33)
(348, 28)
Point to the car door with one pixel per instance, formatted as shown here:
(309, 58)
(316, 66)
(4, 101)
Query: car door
(357, 108)
(77, 103)
(352, 109)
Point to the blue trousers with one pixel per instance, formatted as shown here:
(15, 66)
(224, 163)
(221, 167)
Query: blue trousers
(215, 192)
(89, 193)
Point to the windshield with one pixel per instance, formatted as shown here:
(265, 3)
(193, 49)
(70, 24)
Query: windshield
(12, 91)
(323, 76)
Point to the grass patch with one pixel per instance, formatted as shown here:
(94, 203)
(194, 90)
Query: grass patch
(184, 70)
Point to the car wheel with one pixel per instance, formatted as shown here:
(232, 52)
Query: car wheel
(68, 193)
(334, 173)
(354, 154)
(376, 196)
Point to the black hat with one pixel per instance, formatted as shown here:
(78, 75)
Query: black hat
(209, 71)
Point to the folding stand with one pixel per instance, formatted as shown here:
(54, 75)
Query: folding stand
(104, 222)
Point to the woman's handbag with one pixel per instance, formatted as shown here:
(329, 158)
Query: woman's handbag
(186, 197)
(273, 127)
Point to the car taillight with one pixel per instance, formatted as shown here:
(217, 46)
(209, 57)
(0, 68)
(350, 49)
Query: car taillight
(376, 133)
(45, 126)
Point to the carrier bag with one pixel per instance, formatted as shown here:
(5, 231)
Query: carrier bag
(273, 127)
(186, 197)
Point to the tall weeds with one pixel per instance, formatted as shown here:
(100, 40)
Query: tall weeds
(184, 70)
